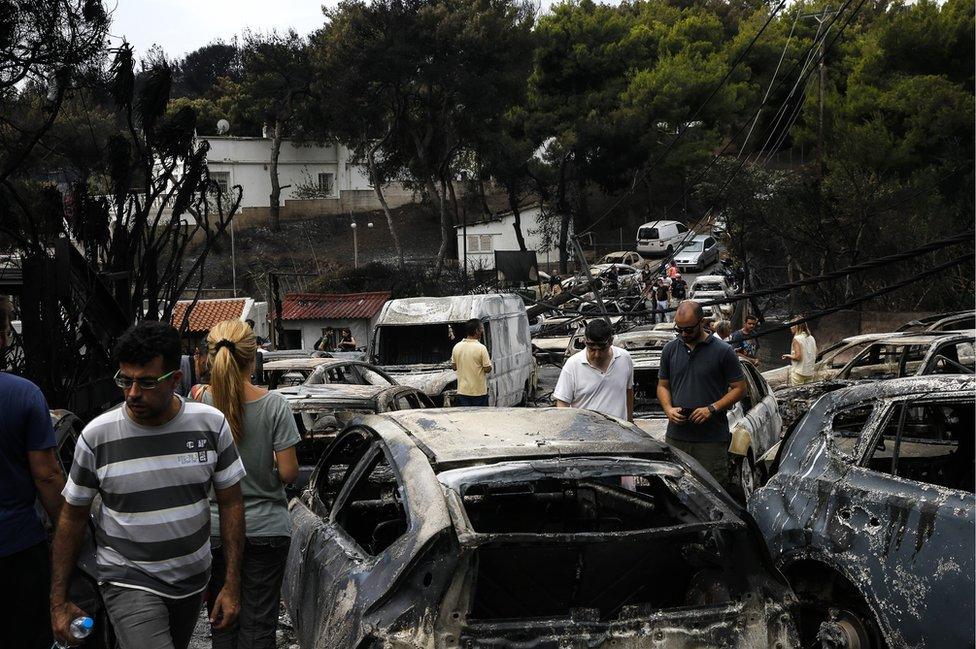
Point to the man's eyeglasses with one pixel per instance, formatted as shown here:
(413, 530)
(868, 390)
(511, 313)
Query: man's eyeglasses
(596, 346)
(687, 330)
(145, 383)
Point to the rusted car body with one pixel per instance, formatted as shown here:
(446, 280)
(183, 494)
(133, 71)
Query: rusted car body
(549, 527)
(871, 514)
(830, 360)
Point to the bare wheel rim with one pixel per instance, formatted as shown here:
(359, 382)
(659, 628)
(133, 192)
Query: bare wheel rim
(844, 630)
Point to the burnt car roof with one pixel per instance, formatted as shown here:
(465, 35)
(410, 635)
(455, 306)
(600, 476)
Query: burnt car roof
(924, 338)
(336, 391)
(466, 435)
(910, 385)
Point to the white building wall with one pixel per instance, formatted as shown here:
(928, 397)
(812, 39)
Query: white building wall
(311, 330)
(247, 160)
(502, 233)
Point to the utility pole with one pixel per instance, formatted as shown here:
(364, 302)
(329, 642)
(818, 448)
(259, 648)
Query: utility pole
(821, 18)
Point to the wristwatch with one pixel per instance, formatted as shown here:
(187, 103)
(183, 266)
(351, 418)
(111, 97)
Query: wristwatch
(711, 408)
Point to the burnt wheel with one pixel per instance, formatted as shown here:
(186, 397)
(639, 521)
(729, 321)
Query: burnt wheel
(746, 477)
(831, 615)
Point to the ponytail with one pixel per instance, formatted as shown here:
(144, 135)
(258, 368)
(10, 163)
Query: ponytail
(231, 348)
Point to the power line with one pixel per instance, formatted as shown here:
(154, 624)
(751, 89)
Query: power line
(877, 262)
(868, 296)
(804, 74)
(690, 120)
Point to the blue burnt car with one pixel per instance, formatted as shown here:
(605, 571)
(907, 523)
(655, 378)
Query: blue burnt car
(871, 515)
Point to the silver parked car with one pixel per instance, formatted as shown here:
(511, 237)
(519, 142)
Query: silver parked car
(697, 254)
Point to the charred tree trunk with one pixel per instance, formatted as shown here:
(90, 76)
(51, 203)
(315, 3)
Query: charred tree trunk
(513, 203)
(378, 188)
(447, 229)
(564, 216)
(274, 198)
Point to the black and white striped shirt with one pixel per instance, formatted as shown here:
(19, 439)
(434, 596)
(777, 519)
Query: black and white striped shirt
(153, 526)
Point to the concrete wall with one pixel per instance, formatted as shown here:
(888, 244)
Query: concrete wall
(502, 233)
(351, 200)
(247, 160)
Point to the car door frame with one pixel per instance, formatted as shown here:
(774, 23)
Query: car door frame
(317, 537)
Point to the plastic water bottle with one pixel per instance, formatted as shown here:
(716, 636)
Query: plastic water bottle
(81, 628)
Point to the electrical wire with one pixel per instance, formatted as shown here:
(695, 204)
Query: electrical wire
(684, 129)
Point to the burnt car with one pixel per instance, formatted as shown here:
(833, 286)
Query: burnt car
(952, 321)
(830, 359)
(549, 527)
(871, 514)
(894, 356)
(550, 341)
(340, 371)
(321, 411)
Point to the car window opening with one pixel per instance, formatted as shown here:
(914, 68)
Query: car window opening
(647, 233)
(932, 443)
(619, 576)
(422, 344)
(373, 513)
(645, 394)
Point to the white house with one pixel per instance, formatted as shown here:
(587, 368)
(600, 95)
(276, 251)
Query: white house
(244, 161)
(305, 315)
(498, 233)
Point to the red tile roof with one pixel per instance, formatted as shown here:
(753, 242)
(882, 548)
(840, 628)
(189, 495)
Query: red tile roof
(332, 306)
(207, 313)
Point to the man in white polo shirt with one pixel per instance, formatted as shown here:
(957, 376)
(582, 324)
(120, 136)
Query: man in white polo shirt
(600, 377)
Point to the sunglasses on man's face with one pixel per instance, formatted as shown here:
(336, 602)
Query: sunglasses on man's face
(687, 330)
(144, 383)
(596, 346)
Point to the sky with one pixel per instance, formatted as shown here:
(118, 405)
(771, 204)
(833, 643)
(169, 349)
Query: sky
(181, 26)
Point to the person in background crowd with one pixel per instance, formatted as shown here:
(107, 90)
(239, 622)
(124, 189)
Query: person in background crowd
(262, 342)
(699, 380)
(613, 278)
(802, 356)
(672, 269)
(679, 289)
(265, 433)
(554, 287)
(326, 342)
(723, 329)
(346, 342)
(661, 295)
(742, 344)
(29, 471)
(471, 361)
(151, 573)
(600, 377)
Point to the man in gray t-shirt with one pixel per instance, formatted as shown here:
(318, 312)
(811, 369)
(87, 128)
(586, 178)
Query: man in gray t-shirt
(700, 379)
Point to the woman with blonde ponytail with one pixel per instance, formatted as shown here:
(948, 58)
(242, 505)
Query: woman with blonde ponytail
(265, 434)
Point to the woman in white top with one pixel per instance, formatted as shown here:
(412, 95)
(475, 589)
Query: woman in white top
(803, 355)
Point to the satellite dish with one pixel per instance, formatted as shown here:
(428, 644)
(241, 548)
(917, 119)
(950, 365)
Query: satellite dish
(223, 126)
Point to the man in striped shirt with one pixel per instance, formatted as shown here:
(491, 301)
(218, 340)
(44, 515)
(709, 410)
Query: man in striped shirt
(153, 461)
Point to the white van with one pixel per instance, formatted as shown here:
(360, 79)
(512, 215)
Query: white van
(660, 237)
(414, 337)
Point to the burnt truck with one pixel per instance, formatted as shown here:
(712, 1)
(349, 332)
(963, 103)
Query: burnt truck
(524, 527)
(414, 337)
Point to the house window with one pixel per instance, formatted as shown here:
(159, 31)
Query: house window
(479, 243)
(326, 183)
(222, 178)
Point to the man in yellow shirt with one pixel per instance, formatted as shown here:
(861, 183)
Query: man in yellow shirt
(471, 362)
